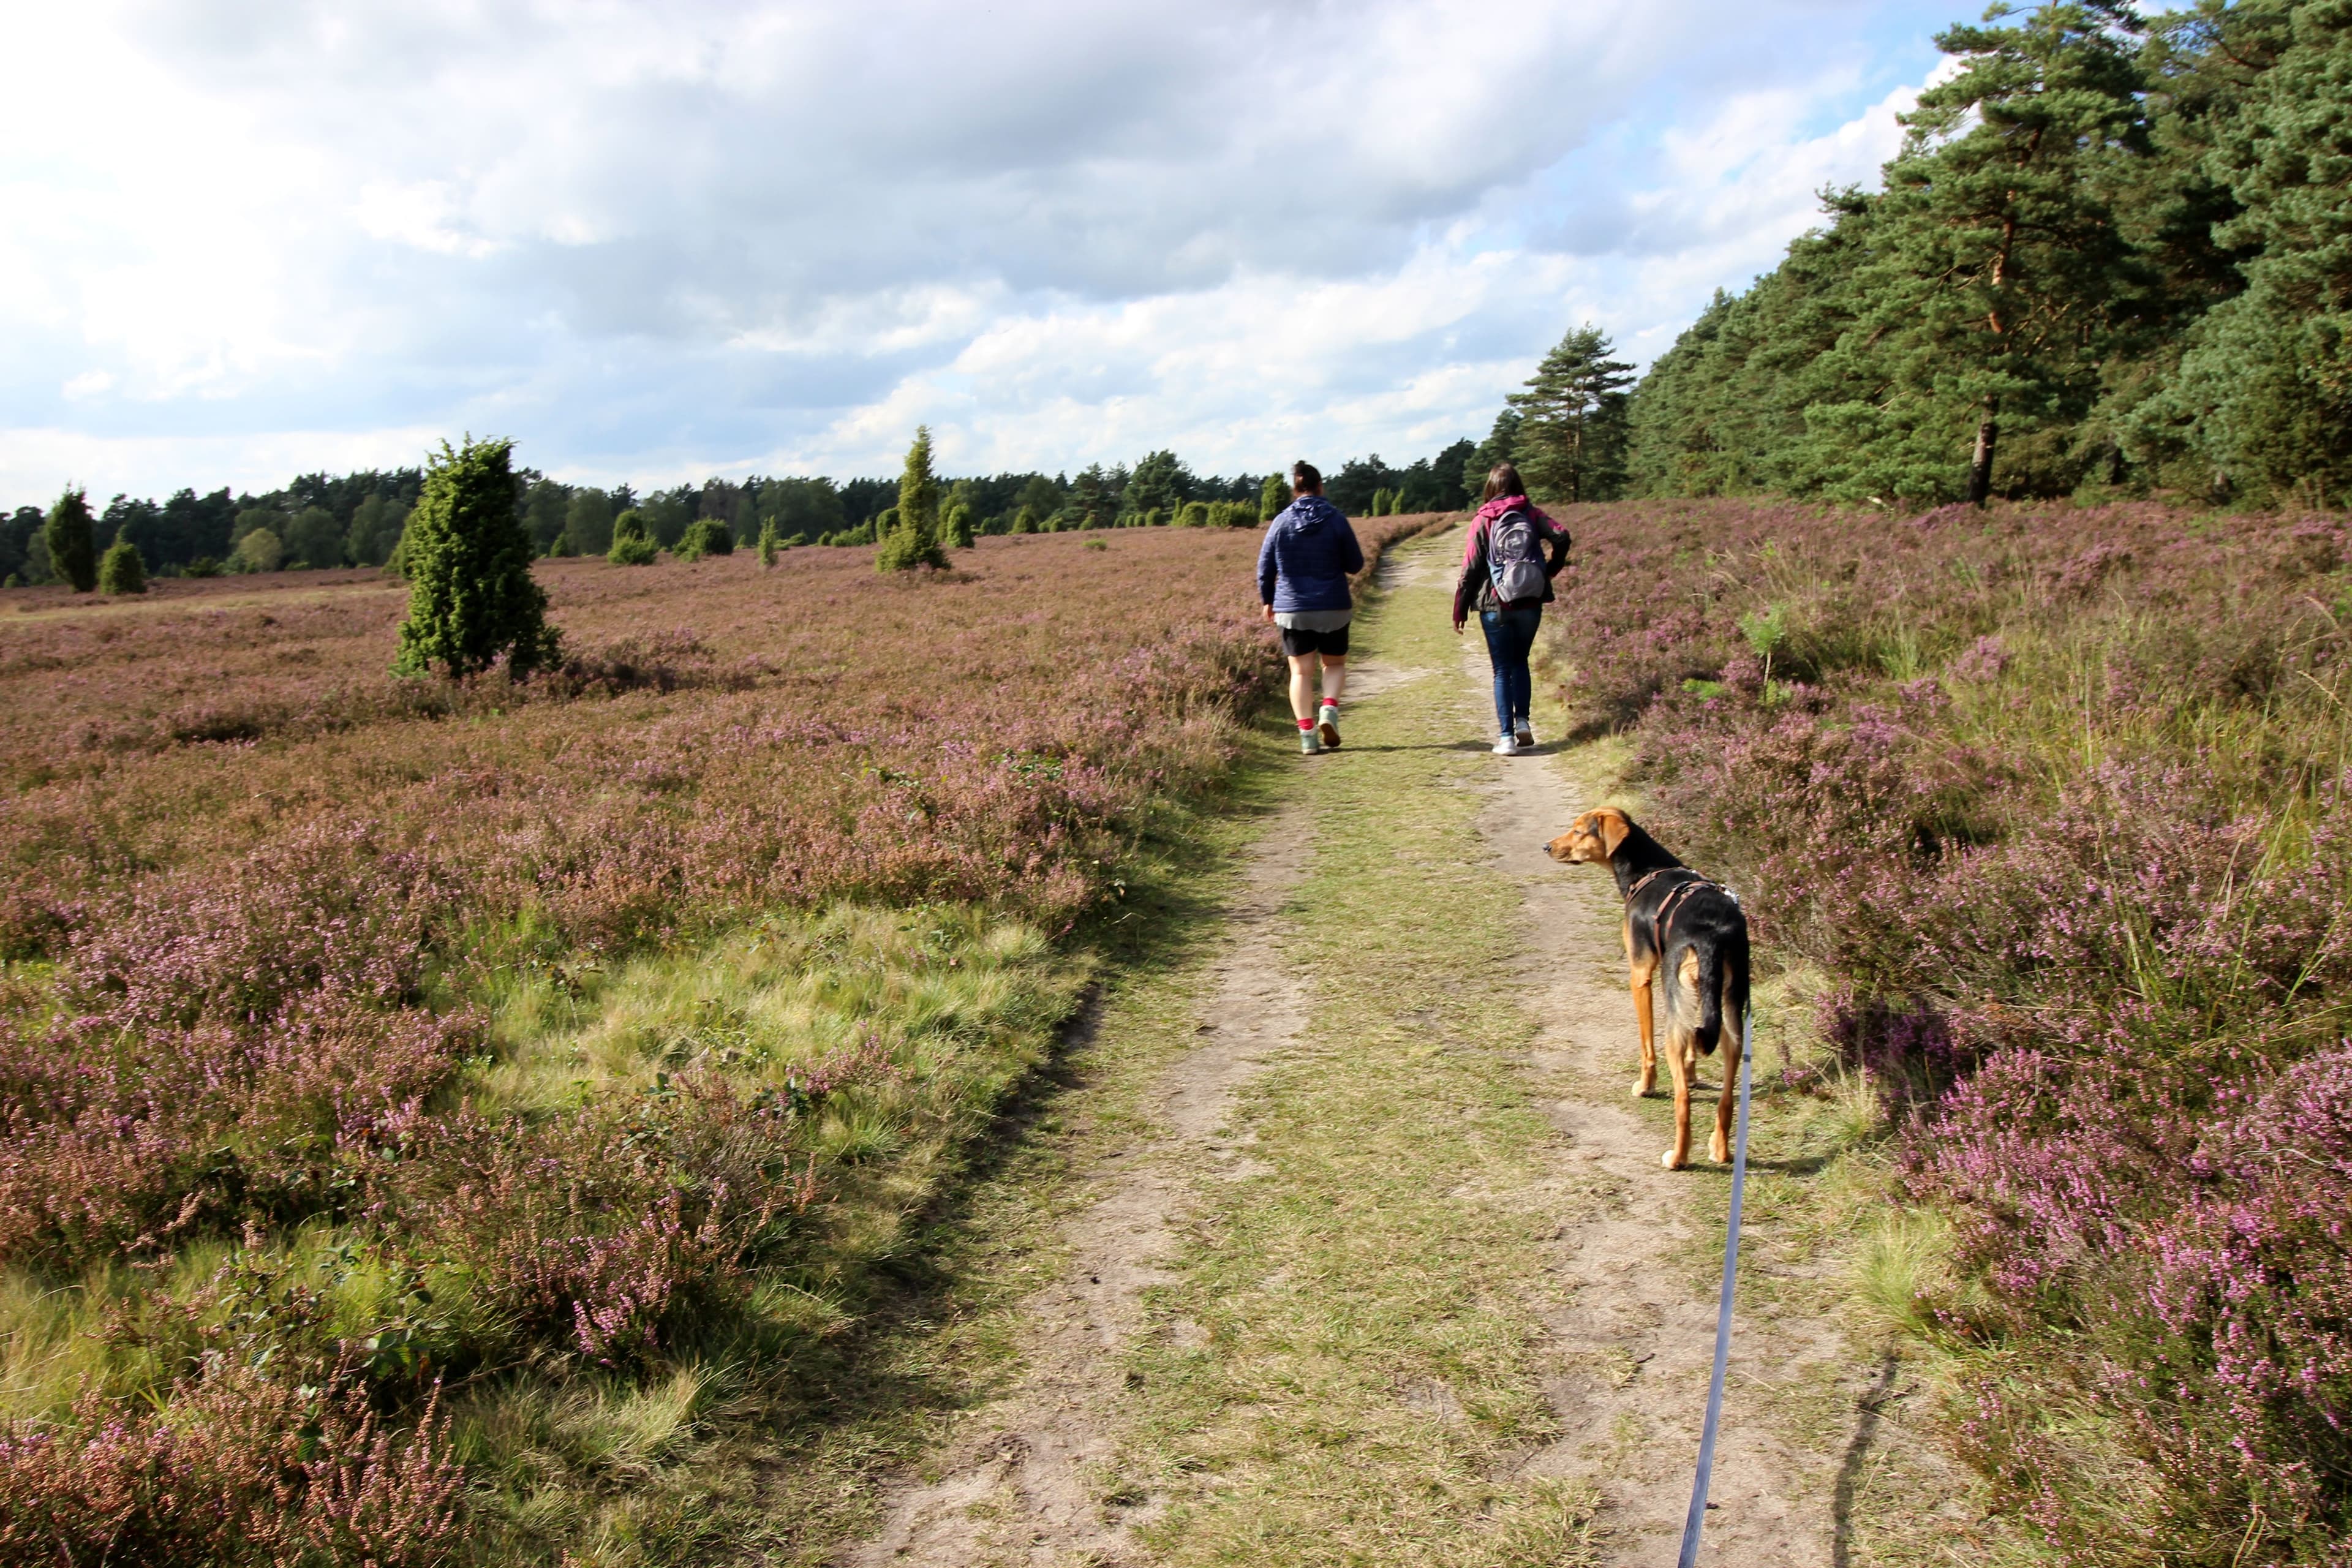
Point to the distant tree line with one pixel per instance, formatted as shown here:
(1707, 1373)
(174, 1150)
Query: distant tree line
(359, 518)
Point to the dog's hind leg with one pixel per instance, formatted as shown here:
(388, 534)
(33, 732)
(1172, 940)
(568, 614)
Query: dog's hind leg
(1682, 1053)
(1718, 1147)
(1642, 967)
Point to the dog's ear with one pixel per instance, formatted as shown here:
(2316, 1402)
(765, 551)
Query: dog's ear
(1613, 825)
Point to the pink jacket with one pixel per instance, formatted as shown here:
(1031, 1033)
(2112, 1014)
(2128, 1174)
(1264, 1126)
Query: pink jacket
(1475, 589)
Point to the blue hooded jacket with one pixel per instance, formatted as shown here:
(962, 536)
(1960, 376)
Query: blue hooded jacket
(1308, 553)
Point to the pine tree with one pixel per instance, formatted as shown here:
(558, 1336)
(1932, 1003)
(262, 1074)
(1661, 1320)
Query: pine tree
(2264, 391)
(122, 569)
(1501, 446)
(633, 540)
(2008, 278)
(471, 597)
(73, 544)
(768, 542)
(1570, 442)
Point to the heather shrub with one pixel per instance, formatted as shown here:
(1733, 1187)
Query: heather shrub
(472, 600)
(548, 1041)
(2056, 801)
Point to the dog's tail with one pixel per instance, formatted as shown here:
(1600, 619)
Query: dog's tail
(1710, 995)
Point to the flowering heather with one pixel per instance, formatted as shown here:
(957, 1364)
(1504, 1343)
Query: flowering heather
(361, 1038)
(2058, 800)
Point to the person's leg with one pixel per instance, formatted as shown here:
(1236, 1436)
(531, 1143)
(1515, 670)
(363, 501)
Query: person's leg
(1302, 687)
(1497, 643)
(1335, 676)
(1523, 641)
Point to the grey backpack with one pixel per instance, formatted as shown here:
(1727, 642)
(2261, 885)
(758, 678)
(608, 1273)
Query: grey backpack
(1515, 558)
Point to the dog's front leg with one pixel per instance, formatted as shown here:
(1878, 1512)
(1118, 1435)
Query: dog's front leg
(1679, 1056)
(1641, 969)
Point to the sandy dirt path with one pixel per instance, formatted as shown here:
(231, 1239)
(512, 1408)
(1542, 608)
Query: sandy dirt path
(1629, 1327)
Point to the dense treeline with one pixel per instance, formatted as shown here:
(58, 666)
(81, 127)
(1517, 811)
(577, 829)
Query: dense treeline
(357, 518)
(2114, 254)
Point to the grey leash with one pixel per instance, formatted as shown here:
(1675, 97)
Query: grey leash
(1689, 1558)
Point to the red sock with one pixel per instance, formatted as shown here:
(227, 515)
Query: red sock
(1331, 703)
(1306, 724)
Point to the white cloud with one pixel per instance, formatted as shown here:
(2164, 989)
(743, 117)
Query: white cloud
(658, 241)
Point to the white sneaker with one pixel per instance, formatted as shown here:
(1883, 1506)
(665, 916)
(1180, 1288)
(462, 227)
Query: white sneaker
(1523, 735)
(1507, 746)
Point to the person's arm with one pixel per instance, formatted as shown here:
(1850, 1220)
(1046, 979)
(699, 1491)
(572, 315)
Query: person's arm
(1265, 570)
(1473, 569)
(1556, 541)
(1351, 551)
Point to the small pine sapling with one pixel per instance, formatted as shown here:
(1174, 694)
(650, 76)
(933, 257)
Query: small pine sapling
(769, 543)
(471, 597)
(122, 569)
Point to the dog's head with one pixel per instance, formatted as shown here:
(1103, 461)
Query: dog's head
(1592, 838)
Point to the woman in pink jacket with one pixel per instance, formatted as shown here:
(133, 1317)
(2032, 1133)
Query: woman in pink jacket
(1513, 553)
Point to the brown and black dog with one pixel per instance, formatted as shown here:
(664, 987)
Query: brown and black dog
(1678, 920)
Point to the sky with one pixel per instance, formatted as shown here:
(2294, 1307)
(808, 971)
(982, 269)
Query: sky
(653, 243)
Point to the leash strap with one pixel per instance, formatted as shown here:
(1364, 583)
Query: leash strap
(1689, 1558)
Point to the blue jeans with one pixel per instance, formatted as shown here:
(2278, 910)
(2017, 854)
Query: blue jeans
(1510, 635)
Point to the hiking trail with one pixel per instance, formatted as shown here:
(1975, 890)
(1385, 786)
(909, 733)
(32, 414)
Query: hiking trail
(1382, 1266)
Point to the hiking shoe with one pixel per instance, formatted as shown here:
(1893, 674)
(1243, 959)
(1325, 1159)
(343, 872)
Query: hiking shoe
(1327, 726)
(1507, 746)
(1523, 735)
(1310, 743)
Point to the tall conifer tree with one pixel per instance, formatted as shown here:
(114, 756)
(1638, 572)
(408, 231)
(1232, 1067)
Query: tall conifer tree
(1570, 438)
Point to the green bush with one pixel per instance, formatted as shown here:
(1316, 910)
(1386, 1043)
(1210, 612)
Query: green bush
(904, 548)
(632, 543)
(471, 597)
(956, 525)
(1027, 521)
(73, 547)
(1192, 514)
(705, 536)
(769, 543)
(122, 571)
(1271, 497)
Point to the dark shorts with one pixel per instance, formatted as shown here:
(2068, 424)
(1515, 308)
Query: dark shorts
(1297, 642)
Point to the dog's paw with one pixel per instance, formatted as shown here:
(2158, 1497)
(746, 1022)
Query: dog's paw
(1669, 1162)
(1642, 1087)
(1719, 1151)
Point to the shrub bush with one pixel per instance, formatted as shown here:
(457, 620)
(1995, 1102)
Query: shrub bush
(121, 570)
(705, 536)
(632, 543)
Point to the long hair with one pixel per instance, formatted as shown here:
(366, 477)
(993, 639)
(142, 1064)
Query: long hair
(1502, 480)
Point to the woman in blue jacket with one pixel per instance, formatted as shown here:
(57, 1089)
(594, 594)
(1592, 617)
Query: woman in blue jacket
(1302, 581)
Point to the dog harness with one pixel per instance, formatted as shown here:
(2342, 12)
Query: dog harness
(1667, 905)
